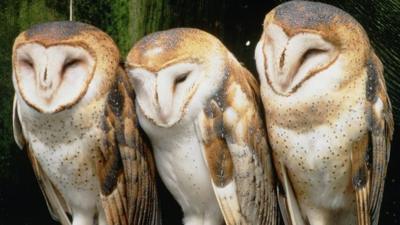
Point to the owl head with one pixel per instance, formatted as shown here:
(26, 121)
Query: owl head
(303, 39)
(57, 65)
(174, 72)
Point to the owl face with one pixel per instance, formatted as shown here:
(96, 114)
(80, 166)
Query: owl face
(291, 51)
(53, 71)
(172, 75)
(291, 60)
(45, 74)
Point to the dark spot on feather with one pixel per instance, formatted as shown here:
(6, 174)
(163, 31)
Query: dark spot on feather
(107, 143)
(116, 100)
(369, 153)
(208, 111)
(372, 81)
(360, 178)
(219, 97)
(120, 135)
(112, 170)
(219, 128)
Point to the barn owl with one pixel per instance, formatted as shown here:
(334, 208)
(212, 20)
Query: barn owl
(200, 110)
(328, 114)
(74, 115)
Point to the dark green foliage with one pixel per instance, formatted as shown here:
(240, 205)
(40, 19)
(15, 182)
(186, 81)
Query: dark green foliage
(6, 142)
(148, 16)
(110, 16)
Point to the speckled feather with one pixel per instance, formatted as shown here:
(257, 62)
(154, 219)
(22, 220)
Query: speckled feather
(78, 163)
(126, 168)
(57, 206)
(251, 169)
(335, 140)
(39, 134)
(381, 127)
(224, 127)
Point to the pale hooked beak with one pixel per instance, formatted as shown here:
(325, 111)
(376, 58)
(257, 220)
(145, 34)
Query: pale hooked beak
(44, 81)
(164, 97)
(46, 84)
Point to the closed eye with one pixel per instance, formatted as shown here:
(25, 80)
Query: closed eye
(181, 78)
(28, 63)
(70, 64)
(310, 53)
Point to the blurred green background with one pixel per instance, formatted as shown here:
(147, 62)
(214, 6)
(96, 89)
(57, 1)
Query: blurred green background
(235, 22)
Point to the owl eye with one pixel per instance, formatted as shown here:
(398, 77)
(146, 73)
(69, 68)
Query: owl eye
(27, 63)
(70, 64)
(181, 78)
(27, 67)
(311, 53)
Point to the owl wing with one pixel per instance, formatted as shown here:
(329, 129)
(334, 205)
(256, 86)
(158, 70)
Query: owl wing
(237, 153)
(17, 128)
(55, 203)
(370, 173)
(290, 209)
(381, 134)
(125, 165)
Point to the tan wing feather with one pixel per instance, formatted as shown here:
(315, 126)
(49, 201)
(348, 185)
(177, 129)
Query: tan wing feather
(17, 128)
(125, 165)
(55, 203)
(361, 181)
(371, 165)
(236, 151)
(381, 133)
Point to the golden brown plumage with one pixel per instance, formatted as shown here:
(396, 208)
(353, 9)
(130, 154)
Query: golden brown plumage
(200, 109)
(74, 114)
(172, 47)
(125, 165)
(328, 115)
(227, 120)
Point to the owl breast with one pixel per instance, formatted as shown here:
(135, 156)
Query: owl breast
(314, 139)
(64, 145)
(179, 160)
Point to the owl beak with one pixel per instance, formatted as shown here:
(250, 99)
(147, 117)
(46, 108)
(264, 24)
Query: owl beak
(44, 82)
(164, 113)
(45, 85)
(164, 97)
